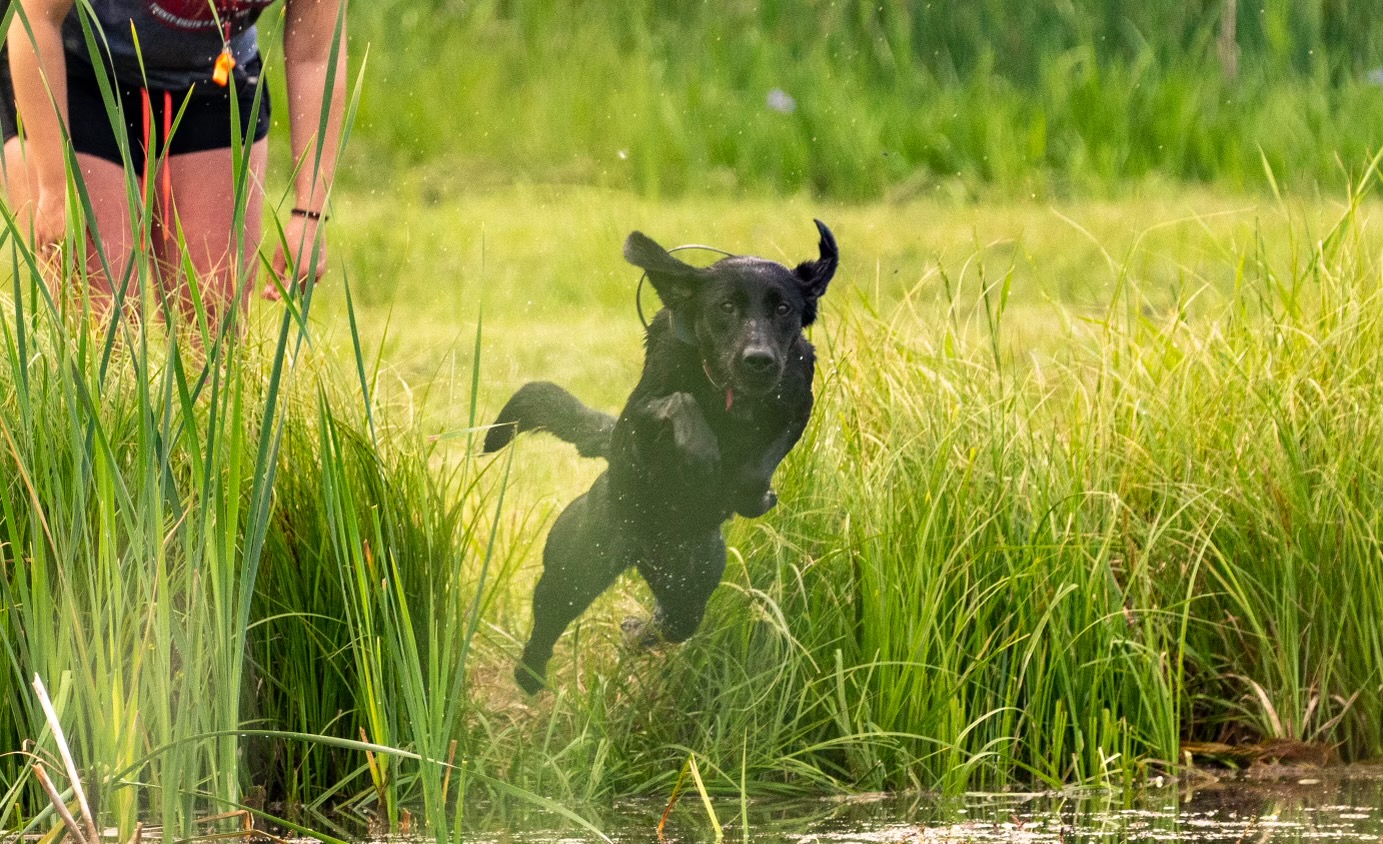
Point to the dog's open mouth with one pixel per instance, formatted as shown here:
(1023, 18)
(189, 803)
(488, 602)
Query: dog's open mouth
(740, 384)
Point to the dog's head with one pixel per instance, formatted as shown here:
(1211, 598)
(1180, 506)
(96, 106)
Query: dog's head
(743, 313)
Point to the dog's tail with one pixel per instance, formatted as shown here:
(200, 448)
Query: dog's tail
(543, 406)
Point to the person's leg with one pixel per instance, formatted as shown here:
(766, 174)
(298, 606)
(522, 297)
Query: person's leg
(106, 186)
(222, 252)
(15, 178)
(109, 235)
(18, 181)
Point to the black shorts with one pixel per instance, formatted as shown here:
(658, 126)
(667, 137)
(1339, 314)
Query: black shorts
(205, 123)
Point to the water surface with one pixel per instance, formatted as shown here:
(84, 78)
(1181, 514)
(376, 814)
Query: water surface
(1301, 808)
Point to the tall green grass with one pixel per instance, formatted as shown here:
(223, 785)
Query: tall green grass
(129, 518)
(1001, 560)
(180, 489)
(997, 561)
(987, 569)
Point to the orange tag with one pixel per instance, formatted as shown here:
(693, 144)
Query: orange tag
(224, 62)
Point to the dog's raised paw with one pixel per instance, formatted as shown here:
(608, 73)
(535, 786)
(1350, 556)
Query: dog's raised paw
(754, 508)
(697, 448)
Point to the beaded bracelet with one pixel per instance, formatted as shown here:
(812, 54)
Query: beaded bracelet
(311, 215)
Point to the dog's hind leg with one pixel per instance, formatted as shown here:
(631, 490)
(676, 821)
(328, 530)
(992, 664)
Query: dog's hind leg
(579, 562)
(682, 580)
(563, 593)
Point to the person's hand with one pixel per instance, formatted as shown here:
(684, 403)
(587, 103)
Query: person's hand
(49, 224)
(303, 239)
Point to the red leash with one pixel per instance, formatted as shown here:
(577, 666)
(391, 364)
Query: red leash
(151, 155)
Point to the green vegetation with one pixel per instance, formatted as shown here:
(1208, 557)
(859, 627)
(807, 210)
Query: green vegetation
(1065, 495)
(1086, 481)
(891, 99)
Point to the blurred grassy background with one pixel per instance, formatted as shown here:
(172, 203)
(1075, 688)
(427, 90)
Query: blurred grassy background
(865, 100)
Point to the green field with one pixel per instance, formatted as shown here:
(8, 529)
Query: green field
(1093, 476)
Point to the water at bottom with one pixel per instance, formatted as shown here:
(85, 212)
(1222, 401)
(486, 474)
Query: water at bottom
(1299, 808)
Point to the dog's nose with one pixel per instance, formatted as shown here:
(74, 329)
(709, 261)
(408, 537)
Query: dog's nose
(758, 361)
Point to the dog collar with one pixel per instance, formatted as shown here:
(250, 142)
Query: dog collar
(729, 391)
(684, 334)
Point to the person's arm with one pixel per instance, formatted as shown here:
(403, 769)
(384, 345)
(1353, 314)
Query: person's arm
(39, 71)
(308, 38)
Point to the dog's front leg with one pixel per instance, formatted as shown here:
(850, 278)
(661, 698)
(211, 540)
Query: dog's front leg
(753, 495)
(679, 417)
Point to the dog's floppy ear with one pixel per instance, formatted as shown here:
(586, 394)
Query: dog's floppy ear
(815, 275)
(675, 281)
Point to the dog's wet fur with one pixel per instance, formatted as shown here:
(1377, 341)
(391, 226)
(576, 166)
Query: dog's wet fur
(726, 392)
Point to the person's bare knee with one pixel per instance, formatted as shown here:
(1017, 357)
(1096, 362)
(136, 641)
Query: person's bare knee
(110, 240)
(18, 181)
(220, 249)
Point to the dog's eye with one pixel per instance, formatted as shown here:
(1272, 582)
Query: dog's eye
(782, 308)
(727, 306)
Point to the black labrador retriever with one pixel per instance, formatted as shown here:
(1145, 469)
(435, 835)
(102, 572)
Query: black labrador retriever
(726, 392)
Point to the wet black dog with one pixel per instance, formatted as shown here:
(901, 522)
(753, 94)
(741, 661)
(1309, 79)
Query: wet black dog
(726, 392)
